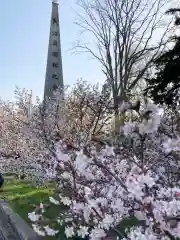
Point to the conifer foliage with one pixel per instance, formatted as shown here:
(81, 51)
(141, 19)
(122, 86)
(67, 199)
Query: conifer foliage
(164, 86)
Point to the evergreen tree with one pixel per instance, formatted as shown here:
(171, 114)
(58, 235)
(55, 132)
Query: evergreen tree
(164, 87)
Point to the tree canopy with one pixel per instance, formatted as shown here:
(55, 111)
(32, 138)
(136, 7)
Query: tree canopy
(164, 86)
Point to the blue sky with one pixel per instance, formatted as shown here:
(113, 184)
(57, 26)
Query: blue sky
(24, 27)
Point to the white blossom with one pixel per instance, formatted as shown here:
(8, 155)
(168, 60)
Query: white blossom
(53, 200)
(69, 231)
(137, 234)
(107, 222)
(50, 231)
(33, 216)
(82, 231)
(38, 230)
(97, 234)
(129, 128)
(171, 145)
(65, 200)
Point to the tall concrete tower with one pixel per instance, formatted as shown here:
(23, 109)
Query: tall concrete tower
(54, 72)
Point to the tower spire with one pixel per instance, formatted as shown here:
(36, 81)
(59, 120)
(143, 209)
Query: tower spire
(54, 72)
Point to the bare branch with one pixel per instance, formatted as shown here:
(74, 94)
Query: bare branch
(123, 37)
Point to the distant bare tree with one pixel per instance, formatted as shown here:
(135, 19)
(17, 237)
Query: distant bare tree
(124, 33)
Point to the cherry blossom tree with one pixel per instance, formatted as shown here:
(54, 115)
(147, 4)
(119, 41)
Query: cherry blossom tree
(88, 110)
(102, 184)
(20, 150)
(29, 131)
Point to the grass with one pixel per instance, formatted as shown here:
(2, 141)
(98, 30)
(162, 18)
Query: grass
(21, 195)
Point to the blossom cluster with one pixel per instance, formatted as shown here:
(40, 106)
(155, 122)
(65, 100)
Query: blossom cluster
(103, 184)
